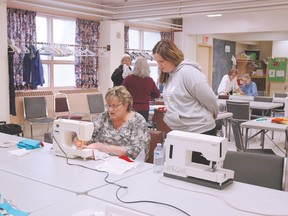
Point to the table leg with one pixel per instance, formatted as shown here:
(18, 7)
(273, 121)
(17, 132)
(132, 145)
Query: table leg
(226, 125)
(262, 137)
(285, 144)
(229, 130)
(246, 138)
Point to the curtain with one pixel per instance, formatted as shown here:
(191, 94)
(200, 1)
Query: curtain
(22, 31)
(126, 37)
(167, 35)
(86, 67)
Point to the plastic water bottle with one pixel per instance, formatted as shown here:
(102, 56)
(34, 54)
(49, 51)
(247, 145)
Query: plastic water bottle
(158, 158)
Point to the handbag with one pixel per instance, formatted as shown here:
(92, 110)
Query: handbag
(13, 129)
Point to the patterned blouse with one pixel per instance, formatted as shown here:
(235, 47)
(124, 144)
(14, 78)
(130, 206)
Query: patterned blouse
(134, 134)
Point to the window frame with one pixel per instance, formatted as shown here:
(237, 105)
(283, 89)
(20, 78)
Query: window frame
(50, 61)
(141, 45)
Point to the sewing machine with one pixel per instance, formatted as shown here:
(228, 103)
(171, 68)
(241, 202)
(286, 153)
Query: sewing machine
(196, 158)
(62, 141)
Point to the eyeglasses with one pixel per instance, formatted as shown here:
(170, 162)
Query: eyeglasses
(113, 106)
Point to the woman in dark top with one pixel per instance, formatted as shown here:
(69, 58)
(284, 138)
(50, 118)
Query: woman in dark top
(141, 86)
(122, 71)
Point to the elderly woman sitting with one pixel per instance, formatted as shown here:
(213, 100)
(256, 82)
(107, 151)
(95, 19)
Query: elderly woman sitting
(119, 131)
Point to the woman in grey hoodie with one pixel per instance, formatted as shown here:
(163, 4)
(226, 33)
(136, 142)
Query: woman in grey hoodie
(190, 102)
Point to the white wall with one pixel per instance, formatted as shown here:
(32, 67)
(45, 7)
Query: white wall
(259, 21)
(280, 49)
(4, 77)
(109, 31)
(187, 43)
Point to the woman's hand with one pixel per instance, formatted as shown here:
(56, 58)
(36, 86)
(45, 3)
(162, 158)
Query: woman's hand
(79, 143)
(99, 146)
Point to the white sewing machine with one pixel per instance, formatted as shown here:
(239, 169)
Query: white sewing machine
(196, 158)
(62, 141)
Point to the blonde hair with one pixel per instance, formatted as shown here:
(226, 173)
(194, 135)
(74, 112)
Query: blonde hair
(246, 76)
(121, 94)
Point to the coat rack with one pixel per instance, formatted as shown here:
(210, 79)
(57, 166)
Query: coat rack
(59, 50)
(135, 53)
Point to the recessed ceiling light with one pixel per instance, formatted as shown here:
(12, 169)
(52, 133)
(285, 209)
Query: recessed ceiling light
(214, 15)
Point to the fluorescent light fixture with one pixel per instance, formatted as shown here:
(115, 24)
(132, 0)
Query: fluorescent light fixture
(214, 15)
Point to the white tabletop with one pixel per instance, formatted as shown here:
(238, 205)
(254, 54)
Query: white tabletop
(224, 115)
(264, 105)
(74, 206)
(29, 195)
(255, 104)
(43, 166)
(279, 100)
(235, 199)
(83, 205)
(265, 124)
(241, 97)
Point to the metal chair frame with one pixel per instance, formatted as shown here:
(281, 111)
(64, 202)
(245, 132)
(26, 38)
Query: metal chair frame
(36, 112)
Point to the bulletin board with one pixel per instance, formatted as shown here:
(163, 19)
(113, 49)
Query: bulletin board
(277, 69)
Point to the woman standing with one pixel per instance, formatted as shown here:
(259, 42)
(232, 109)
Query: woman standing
(190, 102)
(141, 86)
(122, 71)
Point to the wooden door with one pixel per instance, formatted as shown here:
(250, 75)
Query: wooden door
(205, 59)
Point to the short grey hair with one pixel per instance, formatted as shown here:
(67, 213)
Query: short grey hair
(141, 68)
(125, 56)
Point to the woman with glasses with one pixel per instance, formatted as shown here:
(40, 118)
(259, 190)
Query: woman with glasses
(119, 131)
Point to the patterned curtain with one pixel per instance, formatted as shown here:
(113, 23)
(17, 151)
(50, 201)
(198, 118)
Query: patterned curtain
(86, 67)
(21, 28)
(167, 35)
(126, 37)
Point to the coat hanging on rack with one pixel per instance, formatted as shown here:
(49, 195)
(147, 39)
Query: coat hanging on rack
(32, 68)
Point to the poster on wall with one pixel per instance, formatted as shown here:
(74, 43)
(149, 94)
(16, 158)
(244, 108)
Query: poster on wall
(277, 68)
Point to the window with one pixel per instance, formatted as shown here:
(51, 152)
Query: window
(145, 41)
(58, 71)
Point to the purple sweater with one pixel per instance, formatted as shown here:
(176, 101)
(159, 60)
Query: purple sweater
(141, 90)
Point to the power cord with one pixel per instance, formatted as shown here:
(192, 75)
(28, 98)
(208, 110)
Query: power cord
(222, 199)
(148, 201)
(118, 185)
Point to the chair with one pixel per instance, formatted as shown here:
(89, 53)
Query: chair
(239, 140)
(282, 95)
(156, 137)
(263, 170)
(35, 112)
(240, 111)
(260, 113)
(261, 93)
(96, 104)
(160, 124)
(62, 108)
(280, 111)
